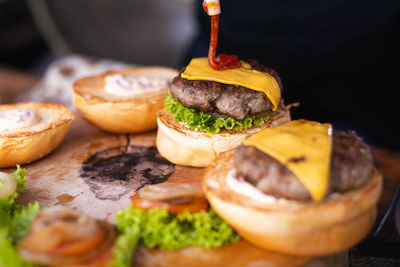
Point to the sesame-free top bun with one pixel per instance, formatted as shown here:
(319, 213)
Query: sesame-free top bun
(293, 227)
(118, 113)
(26, 144)
(184, 146)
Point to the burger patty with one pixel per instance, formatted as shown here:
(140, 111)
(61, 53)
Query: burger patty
(351, 164)
(232, 100)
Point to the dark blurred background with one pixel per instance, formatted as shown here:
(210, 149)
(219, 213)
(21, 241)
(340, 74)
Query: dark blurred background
(338, 58)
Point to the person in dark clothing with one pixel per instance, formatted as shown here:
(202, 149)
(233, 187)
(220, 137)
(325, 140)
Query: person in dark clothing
(337, 58)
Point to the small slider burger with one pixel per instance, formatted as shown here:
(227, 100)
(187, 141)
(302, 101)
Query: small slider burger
(300, 188)
(215, 102)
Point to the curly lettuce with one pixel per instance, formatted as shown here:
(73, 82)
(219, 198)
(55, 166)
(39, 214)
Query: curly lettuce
(201, 121)
(8, 254)
(7, 206)
(14, 223)
(125, 246)
(11, 234)
(157, 228)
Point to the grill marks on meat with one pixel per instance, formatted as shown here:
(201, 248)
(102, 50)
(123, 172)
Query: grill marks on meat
(232, 100)
(351, 164)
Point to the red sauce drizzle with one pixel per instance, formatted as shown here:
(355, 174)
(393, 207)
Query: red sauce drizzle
(223, 61)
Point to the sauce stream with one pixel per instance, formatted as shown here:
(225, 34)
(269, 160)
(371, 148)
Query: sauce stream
(222, 61)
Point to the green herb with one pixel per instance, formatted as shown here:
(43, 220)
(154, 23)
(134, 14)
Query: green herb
(9, 256)
(7, 206)
(125, 247)
(201, 121)
(157, 228)
(14, 223)
(20, 177)
(22, 219)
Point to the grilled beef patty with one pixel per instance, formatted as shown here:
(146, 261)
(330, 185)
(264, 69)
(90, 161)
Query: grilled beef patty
(351, 164)
(232, 100)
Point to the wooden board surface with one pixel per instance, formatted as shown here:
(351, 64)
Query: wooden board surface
(56, 180)
(98, 173)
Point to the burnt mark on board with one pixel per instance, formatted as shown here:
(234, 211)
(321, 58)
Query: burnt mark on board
(114, 172)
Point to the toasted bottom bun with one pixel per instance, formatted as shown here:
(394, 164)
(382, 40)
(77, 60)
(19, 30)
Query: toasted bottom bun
(234, 255)
(293, 227)
(31, 143)
(120, 114)
(183, 146)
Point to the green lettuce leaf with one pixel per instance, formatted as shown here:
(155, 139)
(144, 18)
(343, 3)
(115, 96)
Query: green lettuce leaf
(7, 206)
(11, 234)
(125, 247)
(201, 121)
(14, 223)
(20, 177)
(22, 219)
(9, 256)
(157, 228)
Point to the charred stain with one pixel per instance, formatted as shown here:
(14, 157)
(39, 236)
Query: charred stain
(114, 172)
(297, 159)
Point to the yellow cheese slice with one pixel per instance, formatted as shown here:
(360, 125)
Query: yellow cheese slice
(199, 69)
(304, 147)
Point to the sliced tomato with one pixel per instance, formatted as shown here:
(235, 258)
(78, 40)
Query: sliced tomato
(196, 205)
(79, 246)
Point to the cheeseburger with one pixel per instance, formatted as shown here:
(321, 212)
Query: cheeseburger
(300, 188)
(215, 102)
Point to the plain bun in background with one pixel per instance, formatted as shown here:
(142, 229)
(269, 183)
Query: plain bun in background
(120, 114)
(27, 144)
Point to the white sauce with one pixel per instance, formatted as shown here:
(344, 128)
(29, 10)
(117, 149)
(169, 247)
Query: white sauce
(130, 85)
(239, 185)
(17, 118)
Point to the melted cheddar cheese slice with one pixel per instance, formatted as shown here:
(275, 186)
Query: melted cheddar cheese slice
(199, 69)
(304, 147)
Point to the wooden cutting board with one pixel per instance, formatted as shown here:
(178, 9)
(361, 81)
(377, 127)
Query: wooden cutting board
(99, 173)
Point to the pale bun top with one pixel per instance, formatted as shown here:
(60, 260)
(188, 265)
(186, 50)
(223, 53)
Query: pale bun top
(93, 87)
(50, 115)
